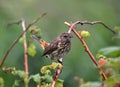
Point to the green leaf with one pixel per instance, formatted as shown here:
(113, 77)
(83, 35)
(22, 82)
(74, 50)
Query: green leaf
(21, 74)
(21, 40)
(117, 28)
(31, 50)
(59, 83)
(34, 30)
(91, 84)
(45, 70)
(117, 35)
(54, 65)
(36, 78)
(110, 51)
(16, 83)
(1, 82)
(46, 85)
(48, 79)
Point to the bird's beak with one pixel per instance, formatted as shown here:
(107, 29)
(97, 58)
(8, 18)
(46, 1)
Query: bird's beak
(71, 36)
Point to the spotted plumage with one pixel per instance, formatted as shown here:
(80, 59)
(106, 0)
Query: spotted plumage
(58, 47)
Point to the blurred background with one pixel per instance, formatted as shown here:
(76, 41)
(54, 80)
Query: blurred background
(77, 62)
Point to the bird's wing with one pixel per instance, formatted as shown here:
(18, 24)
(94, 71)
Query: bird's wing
(51, 47)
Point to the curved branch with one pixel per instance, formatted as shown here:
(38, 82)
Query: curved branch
(25, 52)
(96, 22)
(16, 40)
(86, 47)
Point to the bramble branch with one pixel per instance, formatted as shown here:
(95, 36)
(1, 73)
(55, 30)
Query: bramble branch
(85, 46)
(16, 40)
(95, 22)
(25, 52)
(57, 73)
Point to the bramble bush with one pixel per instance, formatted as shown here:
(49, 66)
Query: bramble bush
(107, 62)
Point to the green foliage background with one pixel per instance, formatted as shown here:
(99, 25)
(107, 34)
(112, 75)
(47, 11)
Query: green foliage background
(77, 62)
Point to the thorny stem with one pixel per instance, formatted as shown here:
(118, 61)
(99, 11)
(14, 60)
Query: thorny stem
(95, 22)
(86, 48)
(25, 52)
(55, 77)
(16, 40)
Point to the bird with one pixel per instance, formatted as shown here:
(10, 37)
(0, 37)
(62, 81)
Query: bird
(57, 48)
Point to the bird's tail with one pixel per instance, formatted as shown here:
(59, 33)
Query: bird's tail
(43, 43)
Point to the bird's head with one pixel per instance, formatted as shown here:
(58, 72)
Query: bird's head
(66, 36)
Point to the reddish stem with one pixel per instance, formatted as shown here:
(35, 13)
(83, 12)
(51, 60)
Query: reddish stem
(25, 51)
(55, 77)
(86, 48)
(90, 54)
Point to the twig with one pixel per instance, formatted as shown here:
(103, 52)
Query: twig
(14, 22)
(55, 77)
(25, 52)
(86, 47)
(96, 22)
(16, 40)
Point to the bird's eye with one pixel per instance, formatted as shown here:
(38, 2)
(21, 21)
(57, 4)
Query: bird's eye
(65, 36)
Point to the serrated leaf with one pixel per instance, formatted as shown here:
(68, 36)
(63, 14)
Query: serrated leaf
(117, 28)
(36, 78)
(21, 40)
(21, 74)
(16, 83)
(48, 78)
(110, 51)
(54, 65)
(1, 82)
(31, 50)
(44, 69)
(46, 85)
(34, 30)
(59, 83)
